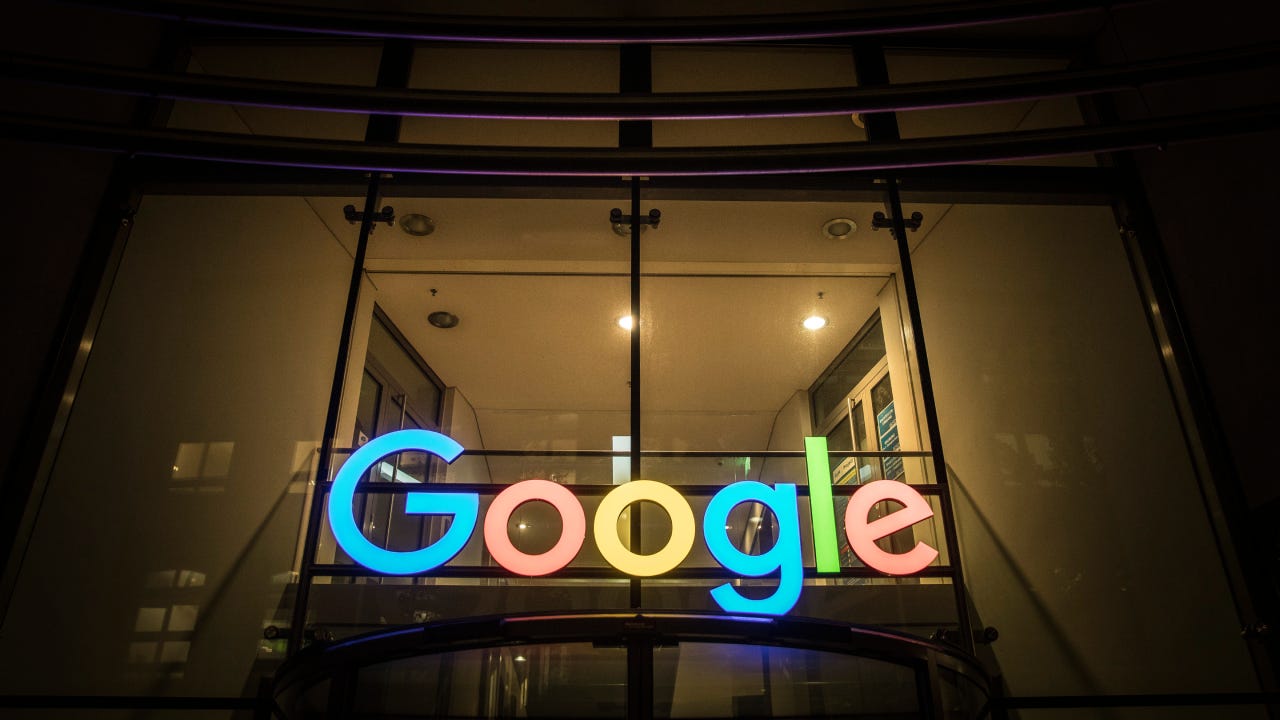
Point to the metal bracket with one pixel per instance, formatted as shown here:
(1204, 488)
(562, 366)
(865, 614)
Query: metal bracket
(621, 223)
(879, 221)
(1259, 630)
(985, 636)
(387, 215)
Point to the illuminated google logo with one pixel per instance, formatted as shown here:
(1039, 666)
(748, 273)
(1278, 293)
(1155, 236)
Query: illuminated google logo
(784, 557)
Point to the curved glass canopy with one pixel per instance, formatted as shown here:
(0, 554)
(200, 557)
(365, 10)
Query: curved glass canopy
(634, 665)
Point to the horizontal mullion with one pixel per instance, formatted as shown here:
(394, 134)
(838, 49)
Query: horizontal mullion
(614, 106)
(690, 162)
(609, 573)
(596, 30)
(393, 488)
(127, 702)
(679, 453)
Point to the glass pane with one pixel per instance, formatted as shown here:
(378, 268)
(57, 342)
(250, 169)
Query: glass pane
(418, 388)
(742, 68)
(563, 680)
(487, 67)
(864, 353)
(907, 66)
(1082, 526)
(710, 680)
(179, 481)
(345, 610)
(294, 62)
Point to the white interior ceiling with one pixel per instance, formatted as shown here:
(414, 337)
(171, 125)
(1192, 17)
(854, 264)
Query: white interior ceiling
(538, 286)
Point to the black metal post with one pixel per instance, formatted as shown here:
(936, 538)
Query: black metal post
(635, 75)
(872, 70)
(945, 501)
(635, 376)
(314, 513)
(393, 71)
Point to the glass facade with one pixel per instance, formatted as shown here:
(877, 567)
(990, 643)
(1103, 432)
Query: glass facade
(966, 332)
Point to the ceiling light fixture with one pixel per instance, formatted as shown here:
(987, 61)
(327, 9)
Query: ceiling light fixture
(626, 322)
(816, 321)
(839, 228)
(443, 320)
(417, 225)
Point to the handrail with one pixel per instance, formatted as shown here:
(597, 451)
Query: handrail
(585, 162)
(505, 29)
(613, 106)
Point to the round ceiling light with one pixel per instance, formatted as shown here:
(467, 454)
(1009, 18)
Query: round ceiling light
(838, 228)
(442, 319)
(626, 322)
(815, 322)
(417, 225)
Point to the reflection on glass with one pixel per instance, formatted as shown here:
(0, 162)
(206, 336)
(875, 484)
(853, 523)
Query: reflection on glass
(561, 680)
(712, 680)
(848, 371)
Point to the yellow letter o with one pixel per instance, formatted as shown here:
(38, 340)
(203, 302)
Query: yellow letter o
(682, 528)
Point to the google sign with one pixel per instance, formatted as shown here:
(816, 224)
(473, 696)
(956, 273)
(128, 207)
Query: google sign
(784, 557)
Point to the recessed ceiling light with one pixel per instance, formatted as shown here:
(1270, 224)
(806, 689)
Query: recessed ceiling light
(838, 228)
(815, 322)
(417, 225)
(626, 322)
(442, 319)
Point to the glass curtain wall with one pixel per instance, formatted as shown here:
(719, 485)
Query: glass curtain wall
(168, 542)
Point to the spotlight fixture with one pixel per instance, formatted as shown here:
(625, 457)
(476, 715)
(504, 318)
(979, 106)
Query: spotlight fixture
(443, 320)
(838, 228)
(417, 225)
(626, 322)
(815, 322)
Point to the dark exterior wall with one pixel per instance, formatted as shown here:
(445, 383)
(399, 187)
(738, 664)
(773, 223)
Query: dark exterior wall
(1210, 201)
(52, 197)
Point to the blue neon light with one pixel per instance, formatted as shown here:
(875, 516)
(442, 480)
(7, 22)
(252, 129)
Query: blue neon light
(784, 555)
(464, 507)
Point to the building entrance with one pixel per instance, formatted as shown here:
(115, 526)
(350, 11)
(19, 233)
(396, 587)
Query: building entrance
(632, 665)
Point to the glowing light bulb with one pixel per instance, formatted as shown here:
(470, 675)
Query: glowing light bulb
(626, 322)
(815, 322)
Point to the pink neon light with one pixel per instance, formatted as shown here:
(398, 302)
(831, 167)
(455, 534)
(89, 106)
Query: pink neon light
(863, 533)
(573, 523)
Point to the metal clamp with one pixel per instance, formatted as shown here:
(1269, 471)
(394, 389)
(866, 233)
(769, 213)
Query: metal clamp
(879, 221)
(387, 215)
(617, 219)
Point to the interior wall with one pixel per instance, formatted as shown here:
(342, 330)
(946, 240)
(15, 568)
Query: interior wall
(169, 527)
(460, 423)
(1082, 532)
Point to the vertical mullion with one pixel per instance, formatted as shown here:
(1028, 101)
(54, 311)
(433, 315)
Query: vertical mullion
(393, 71)
(636, 528)
(635, 75)
(872, 70)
